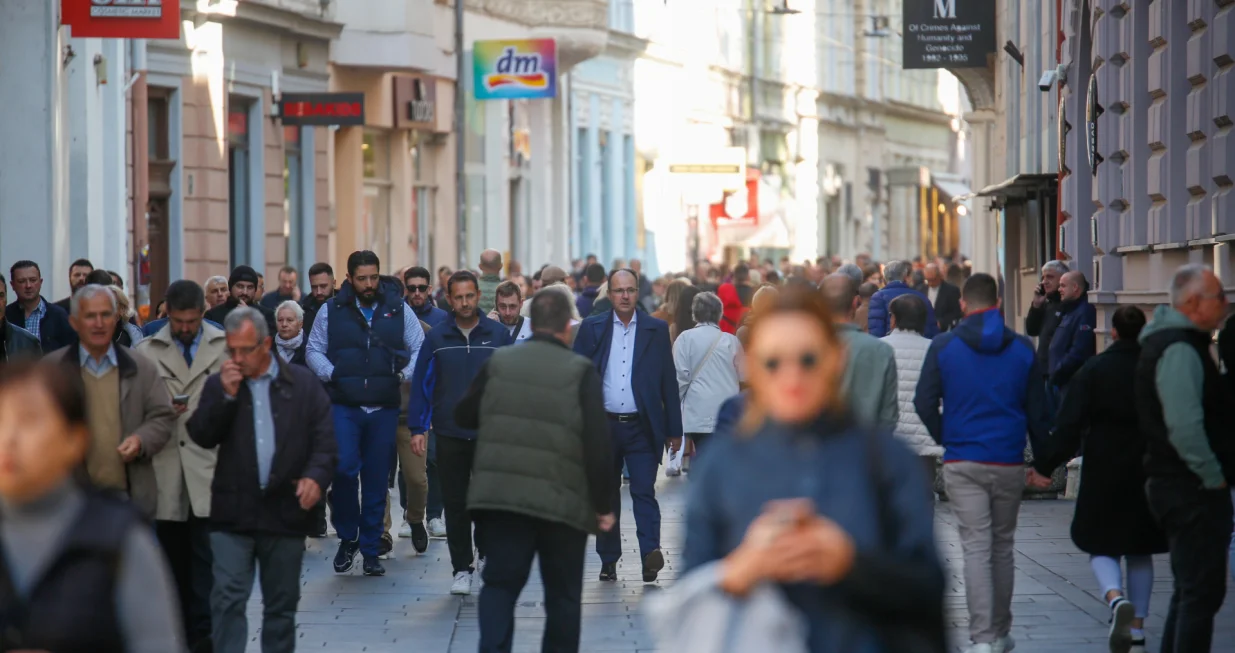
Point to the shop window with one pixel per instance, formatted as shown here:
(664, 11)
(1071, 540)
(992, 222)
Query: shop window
(423, 216)
(377, 187)
(238, 164)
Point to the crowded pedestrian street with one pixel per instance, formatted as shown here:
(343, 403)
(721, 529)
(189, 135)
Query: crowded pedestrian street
(1057, 606)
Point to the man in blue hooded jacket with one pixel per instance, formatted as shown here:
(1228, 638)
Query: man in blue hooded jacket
(363, 343)
(445, 368)
(993, 396)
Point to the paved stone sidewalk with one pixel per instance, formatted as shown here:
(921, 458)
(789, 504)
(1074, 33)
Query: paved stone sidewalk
(1056, 605)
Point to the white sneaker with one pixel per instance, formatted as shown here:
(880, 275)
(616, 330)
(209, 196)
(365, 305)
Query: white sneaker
(463, 584)
(1122, 614)
(437, 528)
(980, 648)
(405, 531)
(1003, 644)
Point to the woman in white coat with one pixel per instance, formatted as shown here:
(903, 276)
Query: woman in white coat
(908, 317)
(709, 366)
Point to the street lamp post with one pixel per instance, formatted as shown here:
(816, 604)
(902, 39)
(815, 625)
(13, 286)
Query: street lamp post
(460, 144)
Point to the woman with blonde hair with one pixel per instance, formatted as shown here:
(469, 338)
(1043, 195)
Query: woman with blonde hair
(127, 333)
(800, 498)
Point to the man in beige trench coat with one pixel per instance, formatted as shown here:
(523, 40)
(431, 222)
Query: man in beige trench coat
(186, 351)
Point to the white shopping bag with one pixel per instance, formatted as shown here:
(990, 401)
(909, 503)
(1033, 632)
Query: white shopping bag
(674, 467)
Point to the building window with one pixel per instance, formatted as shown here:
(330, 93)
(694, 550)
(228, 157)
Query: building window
(293, 207)
(607, 230)
(377, 185)
(584, 175)
(423, 216)
(238, 164)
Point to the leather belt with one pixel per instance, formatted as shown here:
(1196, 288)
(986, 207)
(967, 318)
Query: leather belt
(623, 417)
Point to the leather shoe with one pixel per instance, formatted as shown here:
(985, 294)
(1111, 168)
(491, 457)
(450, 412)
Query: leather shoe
(652, 564)
(608, 571)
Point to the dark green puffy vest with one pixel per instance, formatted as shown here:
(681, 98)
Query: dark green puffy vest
(529, 449)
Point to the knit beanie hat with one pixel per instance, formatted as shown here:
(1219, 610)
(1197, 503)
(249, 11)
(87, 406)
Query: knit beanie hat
(242, 273)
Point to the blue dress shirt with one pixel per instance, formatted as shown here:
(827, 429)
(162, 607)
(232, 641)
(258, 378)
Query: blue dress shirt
(263, 420)
(619, 398)
(97, 367)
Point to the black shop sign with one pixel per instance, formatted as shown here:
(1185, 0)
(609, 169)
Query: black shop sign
(948, 33)
(323, 109)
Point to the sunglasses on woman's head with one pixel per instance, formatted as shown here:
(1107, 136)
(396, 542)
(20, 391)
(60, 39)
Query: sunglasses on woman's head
(808, 361)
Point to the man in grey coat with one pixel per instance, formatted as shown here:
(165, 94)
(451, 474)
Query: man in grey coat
(870, 387)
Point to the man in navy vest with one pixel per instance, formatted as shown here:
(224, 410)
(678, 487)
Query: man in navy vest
(363, 344)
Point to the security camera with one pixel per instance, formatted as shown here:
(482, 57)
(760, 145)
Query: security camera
(1047, 80)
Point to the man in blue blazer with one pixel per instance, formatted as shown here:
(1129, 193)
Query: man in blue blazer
(631, 351)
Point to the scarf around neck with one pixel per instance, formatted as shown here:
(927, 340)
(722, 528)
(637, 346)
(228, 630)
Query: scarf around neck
(287, 348)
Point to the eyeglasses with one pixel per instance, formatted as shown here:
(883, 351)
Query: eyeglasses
(420, 289)
(623, 291)
(807, 361)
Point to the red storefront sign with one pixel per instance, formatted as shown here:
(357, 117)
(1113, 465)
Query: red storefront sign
(122, 19)
(343, 109)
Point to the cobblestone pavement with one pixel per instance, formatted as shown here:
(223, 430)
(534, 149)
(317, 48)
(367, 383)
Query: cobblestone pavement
(1056, 605)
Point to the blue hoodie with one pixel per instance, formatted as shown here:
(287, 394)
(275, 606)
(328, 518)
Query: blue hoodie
(988, 381)
(447, 364)
(430, 314)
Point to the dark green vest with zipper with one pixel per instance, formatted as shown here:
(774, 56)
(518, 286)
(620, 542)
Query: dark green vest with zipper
(529, 449)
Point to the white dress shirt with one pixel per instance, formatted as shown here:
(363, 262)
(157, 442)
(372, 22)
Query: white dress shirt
(932, 293)
(619, 397)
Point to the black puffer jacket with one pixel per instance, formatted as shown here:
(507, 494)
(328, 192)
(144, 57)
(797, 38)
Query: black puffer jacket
(1041, 323)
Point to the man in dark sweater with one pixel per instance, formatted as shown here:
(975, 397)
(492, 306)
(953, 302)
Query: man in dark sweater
(243, 285)
(540, 481)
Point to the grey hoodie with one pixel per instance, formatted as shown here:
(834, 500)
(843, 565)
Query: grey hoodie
(1180, 381)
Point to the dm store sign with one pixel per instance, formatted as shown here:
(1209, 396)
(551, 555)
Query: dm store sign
(507, 70)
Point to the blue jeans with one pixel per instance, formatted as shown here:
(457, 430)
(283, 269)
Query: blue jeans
(366, 448)
(634, 447)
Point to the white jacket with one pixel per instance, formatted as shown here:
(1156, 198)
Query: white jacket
(910, 348)
(717, 380)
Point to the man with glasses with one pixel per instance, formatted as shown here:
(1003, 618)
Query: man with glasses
(635, 361)
(419, 288)
(48, 322)
(1185, 410)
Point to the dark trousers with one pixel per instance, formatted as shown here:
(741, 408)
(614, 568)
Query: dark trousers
(433, 504)
(634, 447)
(187, 547)
(454, 463)
(366, 448)
(278, 560)
(698, 439)
(561, 550)
(1197, 523)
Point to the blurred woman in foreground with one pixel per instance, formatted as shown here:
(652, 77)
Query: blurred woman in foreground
(800, 497)
(80, 572)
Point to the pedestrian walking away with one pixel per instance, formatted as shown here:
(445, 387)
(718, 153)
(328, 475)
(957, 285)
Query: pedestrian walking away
(187, 351)
(80, 569)
(1112, 519)
(1184, 408)
(542, 474)
(869, 382)
(907, 318)
(276, 456)
(446, 366)
(710, 368)
(631, 351)
(363, 344)
(992, 396)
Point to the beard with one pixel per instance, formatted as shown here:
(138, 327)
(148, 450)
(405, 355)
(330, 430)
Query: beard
(367, 295)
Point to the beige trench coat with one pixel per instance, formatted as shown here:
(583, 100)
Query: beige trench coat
(185, 470)
(145, 411)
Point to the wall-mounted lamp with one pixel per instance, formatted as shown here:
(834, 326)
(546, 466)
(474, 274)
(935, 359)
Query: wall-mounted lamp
(1014, 52)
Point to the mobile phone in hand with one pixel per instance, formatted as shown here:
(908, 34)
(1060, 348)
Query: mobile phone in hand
(181, 400)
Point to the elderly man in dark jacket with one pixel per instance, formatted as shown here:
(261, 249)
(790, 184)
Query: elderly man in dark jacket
(1043, 316)
(540, 481)
(1073, 342)
(277, 453)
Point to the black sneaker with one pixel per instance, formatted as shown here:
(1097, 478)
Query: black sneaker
(373, 567)
(652, 564)
(420, 538)
(384, 545)
(345, 559)
(608, 571)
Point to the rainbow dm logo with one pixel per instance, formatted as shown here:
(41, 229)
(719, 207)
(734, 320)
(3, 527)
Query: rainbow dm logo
(506, 70)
